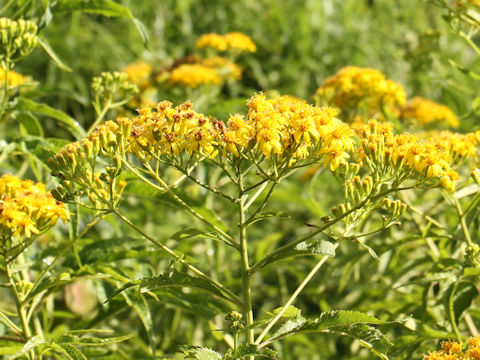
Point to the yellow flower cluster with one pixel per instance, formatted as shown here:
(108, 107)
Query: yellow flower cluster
(452, 350)
(423, 111)
(283, 128)
(290, 124)
(233, 41)
(27, 208)
(139, 73)
(193, 75)
(404, 154)
(225, 68)
(354, 88)
(457, 146)
(14, 78)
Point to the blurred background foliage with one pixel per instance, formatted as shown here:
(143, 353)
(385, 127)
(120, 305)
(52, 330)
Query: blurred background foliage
(299, 44)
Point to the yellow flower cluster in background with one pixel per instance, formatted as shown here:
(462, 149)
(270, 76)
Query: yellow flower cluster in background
(354, 89)
(423, 111)
(14, 78)
(193, 75)
(233, 41)
(139, 73)
(452, 350)
(224, 67)
(27, 208)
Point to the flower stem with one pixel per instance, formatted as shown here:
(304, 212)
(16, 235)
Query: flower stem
(290, 300)
(22, 314)
(231, 296)
(246, 289)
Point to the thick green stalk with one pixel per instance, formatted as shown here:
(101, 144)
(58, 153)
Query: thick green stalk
(246, 289)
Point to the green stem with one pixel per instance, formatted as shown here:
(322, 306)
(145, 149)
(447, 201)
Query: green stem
(90, 225)
(20, 309)
(6, 87)
(231, 296)
(372, 197)
(463, 223)
(100, 117)
(246, 289)
(290, 301)
(206, 186)
(165, 188)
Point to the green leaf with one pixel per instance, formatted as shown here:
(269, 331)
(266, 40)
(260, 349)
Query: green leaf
(29, 124)
(186, 233)
(24, 104)
(201, 353)
(354, 324)
(6, 151)
(290, 312)
(211, 216)
(41, 148)
(458, 298)
(107, 8)
(309, 247)
(46, 47)
(73, 352)
(139, 304)
(249, 350)
(175, 278)
(30, 345)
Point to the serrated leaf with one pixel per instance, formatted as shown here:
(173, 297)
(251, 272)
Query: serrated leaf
(24, 104)
(73, 352)
(353, 324)
(175, 278)
(201, 353)
(369, 337)
(326, 322)
(310, 247)
(245, 350)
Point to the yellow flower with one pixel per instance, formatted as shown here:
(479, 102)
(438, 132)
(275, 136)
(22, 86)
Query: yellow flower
(225, 68)
(235, 41)
(14, 79)
(139, 73)
(353, 89)
(27, 208)
(239, 41)
(193, 75)
(424, 111)
(212, 40)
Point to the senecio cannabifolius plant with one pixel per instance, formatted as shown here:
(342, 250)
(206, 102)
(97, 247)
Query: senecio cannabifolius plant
(256, 152)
